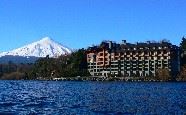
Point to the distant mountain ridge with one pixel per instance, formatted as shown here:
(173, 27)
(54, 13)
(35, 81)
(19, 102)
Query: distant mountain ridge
(17, 59)
(41, 48)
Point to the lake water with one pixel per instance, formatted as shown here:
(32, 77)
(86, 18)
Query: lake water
(67, 97)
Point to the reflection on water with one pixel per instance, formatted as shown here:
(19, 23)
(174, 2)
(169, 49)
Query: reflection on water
(64, 97)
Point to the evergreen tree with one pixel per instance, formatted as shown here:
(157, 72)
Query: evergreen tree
(183, 43)
(183, 51)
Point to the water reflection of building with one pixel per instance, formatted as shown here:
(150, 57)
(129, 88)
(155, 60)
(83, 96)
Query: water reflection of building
(126, 59)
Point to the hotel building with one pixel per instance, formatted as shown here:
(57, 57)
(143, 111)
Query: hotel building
(130, 60)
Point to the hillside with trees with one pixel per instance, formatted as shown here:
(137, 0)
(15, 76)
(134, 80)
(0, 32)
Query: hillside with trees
(14, 71)
(47, 68)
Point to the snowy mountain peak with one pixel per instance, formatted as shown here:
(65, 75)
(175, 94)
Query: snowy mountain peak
(42, 48)
(46, 39)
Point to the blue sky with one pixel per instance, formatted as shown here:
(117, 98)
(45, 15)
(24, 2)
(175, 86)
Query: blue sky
(81, 23)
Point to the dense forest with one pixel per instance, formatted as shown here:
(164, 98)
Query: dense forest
(14, 71)
(47, 68)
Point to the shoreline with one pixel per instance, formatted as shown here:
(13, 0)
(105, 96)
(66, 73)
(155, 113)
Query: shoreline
(107, 79)
(79, 80)
(102, 78)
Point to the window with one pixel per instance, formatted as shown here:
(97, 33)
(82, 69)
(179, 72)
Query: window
(99, 63)
(117, 54)
(146, 53)
(100, 59)
(116, 58)
(158, 52)
(164, 52)
(106, 54)
(101, 54)
(122, 53)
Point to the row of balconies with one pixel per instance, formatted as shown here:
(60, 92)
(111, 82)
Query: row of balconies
(146, 48)
(128, 57)
(140, 54)
(133, 66)
(106, 61)
(131, 58)
(123, 70)
(132, 61)
(131, 54)
(127, 68)
(136, 61)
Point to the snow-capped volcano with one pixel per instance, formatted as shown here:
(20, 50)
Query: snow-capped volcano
(41, 48)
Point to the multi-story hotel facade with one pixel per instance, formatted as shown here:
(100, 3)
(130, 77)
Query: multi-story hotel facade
(129, 60)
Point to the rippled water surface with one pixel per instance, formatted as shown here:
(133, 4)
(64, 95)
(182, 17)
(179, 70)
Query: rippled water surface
(65, 97)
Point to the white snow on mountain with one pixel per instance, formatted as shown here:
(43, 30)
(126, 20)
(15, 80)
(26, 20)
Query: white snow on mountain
(42, 48)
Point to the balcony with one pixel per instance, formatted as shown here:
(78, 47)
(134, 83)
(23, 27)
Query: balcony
(100, 63)
(142, 54)
(100, 59)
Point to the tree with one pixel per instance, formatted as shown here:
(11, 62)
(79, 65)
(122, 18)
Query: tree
(14, 71)
(163, 74)
(183, 43)
(183, 51)
(182, 76)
